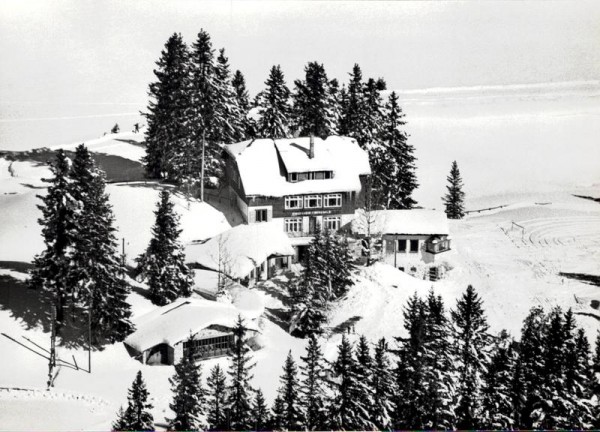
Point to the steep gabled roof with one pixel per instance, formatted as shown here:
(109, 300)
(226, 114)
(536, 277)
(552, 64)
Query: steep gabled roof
(259, 165)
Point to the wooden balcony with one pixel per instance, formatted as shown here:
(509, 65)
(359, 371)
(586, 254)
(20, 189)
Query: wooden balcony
(437, 246)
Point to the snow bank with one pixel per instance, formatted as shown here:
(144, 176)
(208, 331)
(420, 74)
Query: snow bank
(241, 249)
(258, 163)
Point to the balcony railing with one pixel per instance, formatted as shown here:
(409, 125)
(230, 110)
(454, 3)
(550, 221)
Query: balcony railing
(303, 233)
(438, 246)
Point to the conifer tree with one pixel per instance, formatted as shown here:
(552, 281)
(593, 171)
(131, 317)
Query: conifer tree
(313, 386)
(382, 387)
(168, 140)
(579, 381)
(274, 107)
(204, 94)
(163, 263)
(455, 198)
(472, 343)
(353, 122)
(393, 160)
(497, 407)
(216, 400)
(228, 118)
(531, 371)
(189, 397)
(347, 411)
(313, 111)
(595, 385)
(277, 411)
(410, 402)
(239, 390)
(439, 374)
(243, 101)
(364, 365)
(260, 412)
(137, 416)
(290, 395)
(122, 422)
(52, 268)
(374, 113)
(97, 271)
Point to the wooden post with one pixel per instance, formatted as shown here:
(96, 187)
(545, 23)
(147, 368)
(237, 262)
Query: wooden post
(395, 252)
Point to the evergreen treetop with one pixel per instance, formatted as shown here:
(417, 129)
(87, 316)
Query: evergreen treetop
(455, 197)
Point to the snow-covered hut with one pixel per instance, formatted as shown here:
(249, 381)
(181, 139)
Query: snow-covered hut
(161, 336)
(298, 183)
(245, 253)
(414, 241)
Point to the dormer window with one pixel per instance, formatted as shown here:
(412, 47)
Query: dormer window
(309, 175)
(293, 177)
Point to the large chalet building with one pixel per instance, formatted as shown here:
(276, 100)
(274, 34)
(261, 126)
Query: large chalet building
(300, 184)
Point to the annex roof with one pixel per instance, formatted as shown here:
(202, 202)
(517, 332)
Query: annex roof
(262, 174)
(414, 222)
(407, 222)
(240, 249)
(175, 322)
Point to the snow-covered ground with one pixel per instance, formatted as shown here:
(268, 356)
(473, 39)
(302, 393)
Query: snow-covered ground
(127, 145)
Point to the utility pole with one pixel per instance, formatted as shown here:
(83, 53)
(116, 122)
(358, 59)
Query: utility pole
(52, 359)
(202, 169)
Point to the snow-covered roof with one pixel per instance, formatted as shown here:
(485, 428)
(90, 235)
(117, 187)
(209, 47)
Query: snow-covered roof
(409, 222)
(413, 222)
(241, 249)
(175, 322)
(261, 174)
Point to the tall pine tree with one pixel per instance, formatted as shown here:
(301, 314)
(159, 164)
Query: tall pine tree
(313, 111)
(472, 343)
(274, 106)
(455, 198)
(216, 399)
(168, 140)
(137, 416)
(163, 263)
(382, 387)
(347, 411)
(239, 390)
(290, 395)
(52, 268)
(98, 271)
(189, 397)
(260, 412)
(313, 386)
(393, 161)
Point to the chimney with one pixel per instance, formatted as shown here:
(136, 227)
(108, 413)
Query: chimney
(311, 152)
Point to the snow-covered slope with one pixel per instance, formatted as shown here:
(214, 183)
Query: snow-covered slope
(127, 145)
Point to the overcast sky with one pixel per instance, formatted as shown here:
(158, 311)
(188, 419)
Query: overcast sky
(104, 51)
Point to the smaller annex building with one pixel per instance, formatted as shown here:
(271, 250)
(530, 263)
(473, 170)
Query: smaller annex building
(245, 253)
(162, 335)
(415, 241)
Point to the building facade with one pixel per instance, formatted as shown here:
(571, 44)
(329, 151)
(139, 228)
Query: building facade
(416, 242)
(300, 184)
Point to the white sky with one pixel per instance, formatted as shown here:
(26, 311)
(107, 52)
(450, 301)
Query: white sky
(104, 51)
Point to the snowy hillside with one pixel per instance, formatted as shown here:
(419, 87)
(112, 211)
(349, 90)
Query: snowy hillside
(127, 145)
(545, 258)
